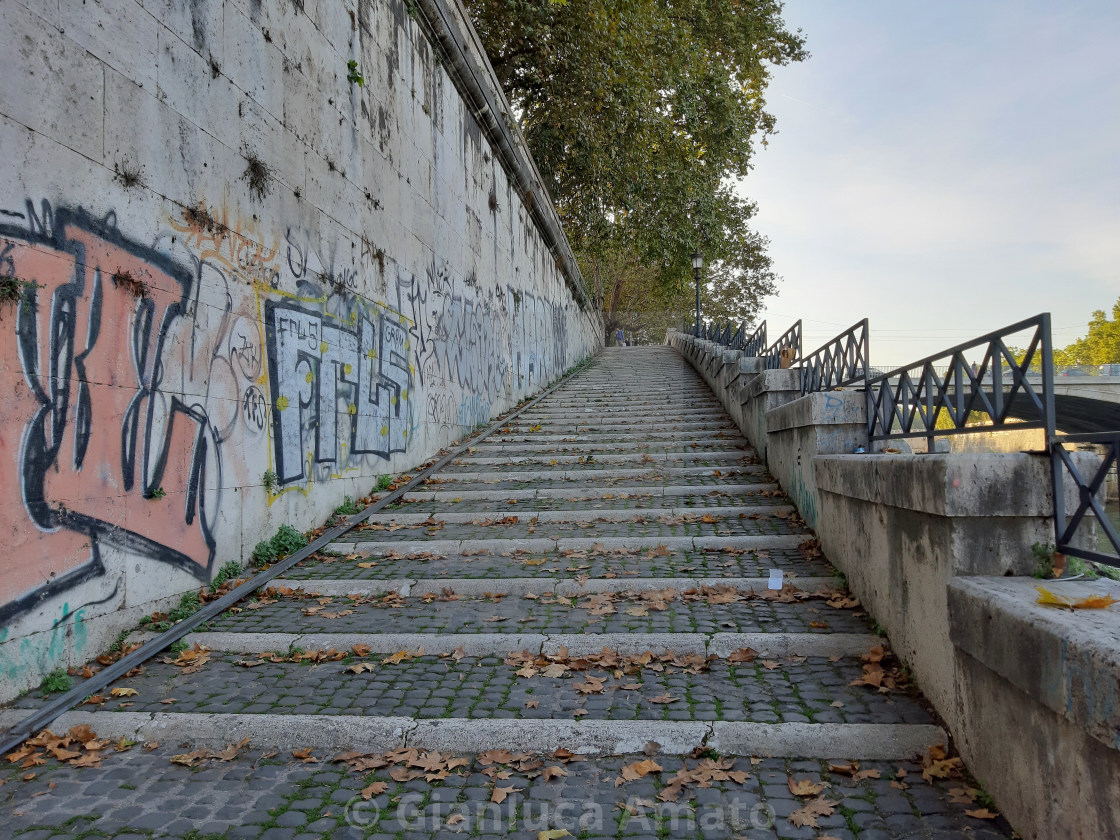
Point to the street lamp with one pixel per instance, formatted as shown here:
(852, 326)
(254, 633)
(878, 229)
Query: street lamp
(697, 264)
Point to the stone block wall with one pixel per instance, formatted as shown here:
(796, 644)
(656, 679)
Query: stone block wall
(255, 254)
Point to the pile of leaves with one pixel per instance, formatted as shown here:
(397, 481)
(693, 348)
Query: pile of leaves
(882, 671)
(195, 758)
(529, 664)
(406, 764)
(79, 747)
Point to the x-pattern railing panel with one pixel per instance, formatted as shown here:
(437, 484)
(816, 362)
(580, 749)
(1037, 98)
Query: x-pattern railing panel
(842, 361)
(1089, 501)
(754, 345)
(908, 401)
(789, 343)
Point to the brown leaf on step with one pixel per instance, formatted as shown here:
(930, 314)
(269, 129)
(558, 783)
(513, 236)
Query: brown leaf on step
(374, 789)
(664, 698)
(532, 704)
(743, 655)
(844, 769)
(820, 625)
(360, 650)
(455, 819)
(403, 774)
(495, 757)
(638, 770)
(806, 817)
(402, 656)
(553, 772)
(169, 700)
(124, 692)
(360, 667)
(897, 785)
(500, 793)
(579, 712)
(962, 796)
(865, 774)
(981, 814)
(804, 787)
(95, 700)
(770, 664)
(651, 748)
(305, 756)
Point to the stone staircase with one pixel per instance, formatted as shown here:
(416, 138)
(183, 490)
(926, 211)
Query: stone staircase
(593, 581)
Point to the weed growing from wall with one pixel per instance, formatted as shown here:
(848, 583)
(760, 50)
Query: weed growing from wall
(138, 289)
(270, 480)
(258, 174)
(127, 174)
(353, 76)
(12, 290)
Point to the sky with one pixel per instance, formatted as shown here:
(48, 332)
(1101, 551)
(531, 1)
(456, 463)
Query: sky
(943, 168)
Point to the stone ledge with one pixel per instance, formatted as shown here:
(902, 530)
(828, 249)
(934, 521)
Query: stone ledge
(769, 381)
(966, 484)
(1067, 660)
(831, 408)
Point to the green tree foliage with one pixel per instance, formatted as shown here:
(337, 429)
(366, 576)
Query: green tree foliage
(642, 116)
(1100, 347)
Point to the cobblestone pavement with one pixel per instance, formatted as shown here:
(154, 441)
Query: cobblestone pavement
(490, 741)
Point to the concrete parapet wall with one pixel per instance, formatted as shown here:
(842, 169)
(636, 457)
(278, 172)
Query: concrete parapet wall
(1038, 688)
(901, 527)
(939, 549)
(815, 424)
(263, 252)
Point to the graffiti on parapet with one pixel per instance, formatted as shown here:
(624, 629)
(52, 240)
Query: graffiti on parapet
(340, 384)
(109, 448)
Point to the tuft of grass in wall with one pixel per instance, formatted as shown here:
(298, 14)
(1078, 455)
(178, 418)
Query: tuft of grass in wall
(258, 174)
(56, 682)
(134, 286)
(286, 540)
(158, 493)
(127, 174)
(353, 75)
(383, 482)
(12, 291)
(270, 480)
(1043, 560)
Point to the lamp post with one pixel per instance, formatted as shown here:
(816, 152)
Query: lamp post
(697, 264)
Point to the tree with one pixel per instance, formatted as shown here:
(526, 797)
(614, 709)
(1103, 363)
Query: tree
(1101, 346)
(642, 115)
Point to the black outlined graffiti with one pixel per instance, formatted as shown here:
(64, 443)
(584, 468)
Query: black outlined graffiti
(102, 418)
(339, 387)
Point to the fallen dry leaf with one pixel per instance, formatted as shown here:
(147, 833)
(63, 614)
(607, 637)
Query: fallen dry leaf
(664, 698)
(124, 692)
(806, 817)
(1092, 602)
(804, 787)
(374, 789)
(500, 793)
(553, 834)
(981, 814)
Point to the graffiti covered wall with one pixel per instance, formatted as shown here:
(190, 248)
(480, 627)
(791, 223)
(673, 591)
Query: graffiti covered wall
(236, 286)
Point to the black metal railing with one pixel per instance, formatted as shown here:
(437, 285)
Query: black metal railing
(912, 401)
(842, 361)
(756, 342)
(787, 348)
(1091, 504)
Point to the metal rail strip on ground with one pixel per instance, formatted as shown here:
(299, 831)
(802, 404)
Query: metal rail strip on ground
(41, 718)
